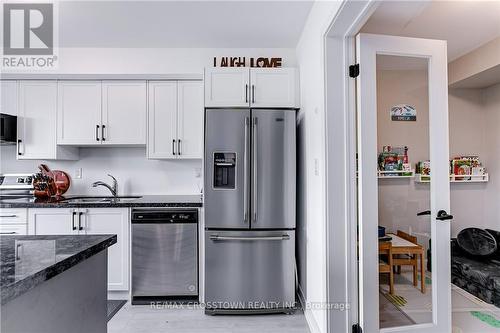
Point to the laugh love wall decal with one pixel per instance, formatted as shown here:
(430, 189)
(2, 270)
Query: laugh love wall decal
(252, 62)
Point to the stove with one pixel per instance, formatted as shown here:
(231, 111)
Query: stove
(16, 185)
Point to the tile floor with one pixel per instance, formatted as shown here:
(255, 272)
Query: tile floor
(144, 319)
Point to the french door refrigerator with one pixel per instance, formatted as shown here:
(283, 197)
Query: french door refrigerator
(249, 210)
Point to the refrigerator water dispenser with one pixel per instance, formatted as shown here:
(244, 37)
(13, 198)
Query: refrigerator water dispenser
(224, 171)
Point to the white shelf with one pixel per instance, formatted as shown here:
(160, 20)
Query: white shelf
(390, 174)
(453, 178)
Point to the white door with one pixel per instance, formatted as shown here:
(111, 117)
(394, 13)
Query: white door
(273, 87)
(227, 87)
(100, 221)
(8, 97)
(162, 119)
(124, 112)
(79, 113)
(37, 120)
(52, 221)
(374, 51)
(190, 119)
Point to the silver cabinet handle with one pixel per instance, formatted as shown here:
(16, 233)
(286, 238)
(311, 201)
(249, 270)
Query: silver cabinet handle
(17, 251)
(254, 167)
(244, 238)
(11, 215)
(8, 233)
(253, 93)
(179, 151)
(245, 172)
(96, 132)
(173, 147)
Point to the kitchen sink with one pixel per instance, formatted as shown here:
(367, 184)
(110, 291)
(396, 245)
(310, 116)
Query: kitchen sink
(100, 199)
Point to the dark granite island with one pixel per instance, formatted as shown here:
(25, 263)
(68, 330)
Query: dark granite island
(54, 283)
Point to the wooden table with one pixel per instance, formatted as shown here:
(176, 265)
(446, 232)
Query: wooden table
(402, 246)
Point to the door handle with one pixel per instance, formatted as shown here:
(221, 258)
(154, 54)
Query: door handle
(245, 238)
(245, 172)
(443, 216)
(8, 233)
(246, 93)
(425, 212)
(80, 221)
(102, 133)
(19, 141)
(17, 251)
(179, 151)
(173, 147)
(253, 93)
(96, 132)
(254, 167)
(73, 220)
(11, 215)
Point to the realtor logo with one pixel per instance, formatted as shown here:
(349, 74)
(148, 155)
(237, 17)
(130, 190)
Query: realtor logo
(28, 36)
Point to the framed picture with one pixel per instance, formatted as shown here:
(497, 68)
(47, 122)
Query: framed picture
(403, 112)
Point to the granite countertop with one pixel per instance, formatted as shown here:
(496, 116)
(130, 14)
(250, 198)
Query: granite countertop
(40, 258)
(144, 201)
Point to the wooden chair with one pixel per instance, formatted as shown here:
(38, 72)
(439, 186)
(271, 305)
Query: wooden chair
(407, 259)
(385, 266)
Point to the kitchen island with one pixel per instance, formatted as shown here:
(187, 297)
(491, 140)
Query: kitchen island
(54, 283)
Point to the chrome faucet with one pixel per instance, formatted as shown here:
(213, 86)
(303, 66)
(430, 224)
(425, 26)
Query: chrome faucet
(113, 189)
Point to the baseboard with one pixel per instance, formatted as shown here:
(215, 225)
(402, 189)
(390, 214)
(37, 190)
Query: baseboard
(311, 322)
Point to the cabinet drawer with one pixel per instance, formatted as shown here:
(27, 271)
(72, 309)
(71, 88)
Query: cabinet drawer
(13, 229)
(13, 215)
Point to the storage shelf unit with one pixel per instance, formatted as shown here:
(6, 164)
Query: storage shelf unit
(456, 178)
(400, 174)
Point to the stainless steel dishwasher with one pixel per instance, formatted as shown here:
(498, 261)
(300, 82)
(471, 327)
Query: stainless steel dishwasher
(164, 255)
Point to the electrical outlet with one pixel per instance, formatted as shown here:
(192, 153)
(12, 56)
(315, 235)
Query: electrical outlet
(78, 173)
(197, 172)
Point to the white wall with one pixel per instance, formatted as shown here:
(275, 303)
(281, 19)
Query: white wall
(136, 174)
(311, 198)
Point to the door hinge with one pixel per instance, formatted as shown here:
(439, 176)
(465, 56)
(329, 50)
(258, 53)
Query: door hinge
(354, 70)
(356, 328)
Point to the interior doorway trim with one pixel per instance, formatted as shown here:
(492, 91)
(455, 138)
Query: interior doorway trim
(340, 130)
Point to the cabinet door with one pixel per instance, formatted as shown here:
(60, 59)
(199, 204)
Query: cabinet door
(37, 120)
(190, 119)
(8, 97)
(13, 229)
(124, 112)
(162, 120)
(52, 221)
(276, 87)
(79, 112)
(227, 87)
(112, 221)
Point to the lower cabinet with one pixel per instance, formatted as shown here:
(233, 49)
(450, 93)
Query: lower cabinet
(90, 221)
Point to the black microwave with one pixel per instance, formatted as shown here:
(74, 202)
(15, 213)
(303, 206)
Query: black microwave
(8, 128)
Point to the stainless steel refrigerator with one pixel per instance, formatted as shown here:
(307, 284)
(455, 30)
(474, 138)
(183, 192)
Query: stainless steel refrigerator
(249, 210)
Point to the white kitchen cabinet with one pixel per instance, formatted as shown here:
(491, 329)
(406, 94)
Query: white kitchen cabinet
(252, 87)
(8, 97)
(277, 87)
(162, 119)
(90, 221)
(36, 123)
(13, 229)
(53, 221)
(124, 112)
(79, 113)
(175, 120)
(227, 87)
(99, 221)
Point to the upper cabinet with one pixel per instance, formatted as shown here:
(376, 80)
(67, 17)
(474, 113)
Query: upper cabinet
(124, 112)
(175, 120)
(101, 113)
(79, 112)
(8, 103)
(251, 87)
(36, 123)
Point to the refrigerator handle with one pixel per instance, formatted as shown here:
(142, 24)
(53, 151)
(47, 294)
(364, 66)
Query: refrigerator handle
(245, 172)
(250, 238)
(254, 167)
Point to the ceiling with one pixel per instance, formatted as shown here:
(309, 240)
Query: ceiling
(466, 25)
(144, 24)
